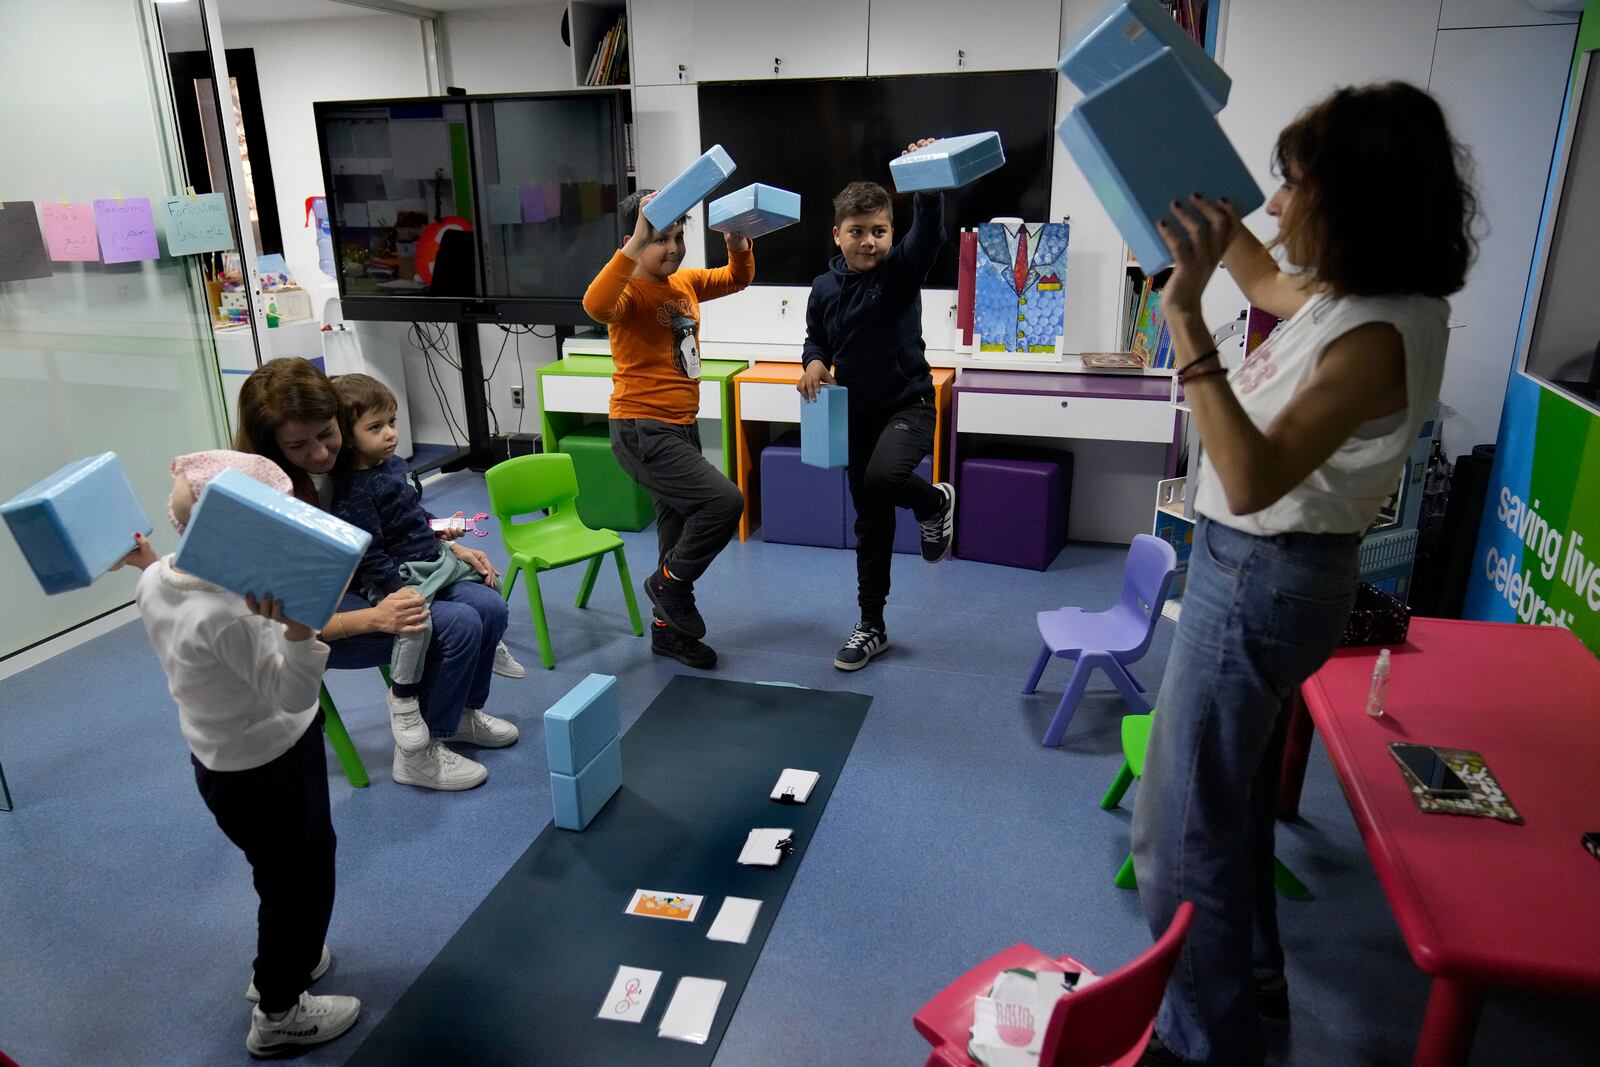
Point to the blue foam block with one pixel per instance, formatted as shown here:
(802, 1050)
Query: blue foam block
(948, 163)
(679, 196)
(249, 538)
(577, 798)
(754, 210)
(1128, 32)
(582, 723)
(75, 524)
(1146, 140)
(825, 428)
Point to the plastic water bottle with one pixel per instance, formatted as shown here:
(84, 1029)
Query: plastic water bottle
(1380, 685)
(317, 207)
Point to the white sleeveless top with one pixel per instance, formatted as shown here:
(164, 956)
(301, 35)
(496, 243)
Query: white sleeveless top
(1346, 492)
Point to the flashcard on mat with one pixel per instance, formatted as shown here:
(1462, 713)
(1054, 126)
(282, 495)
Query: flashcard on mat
(765, 847)
(629, 996)
(692, 1010)
(654, 904)
(794, 786)
(734, 920)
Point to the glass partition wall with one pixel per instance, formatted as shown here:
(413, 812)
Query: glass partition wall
(106, 335)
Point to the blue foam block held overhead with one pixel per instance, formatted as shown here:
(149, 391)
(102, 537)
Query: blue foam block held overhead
(1128, 32)
(1146, 140)
(948, 163)
(679, 196)
(582, 723)
(576, 799)
(75, 524)
(754, 210)
(825, 428)
(249, 538)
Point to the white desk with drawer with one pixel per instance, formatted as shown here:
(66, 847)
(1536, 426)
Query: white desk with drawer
(1121, 419)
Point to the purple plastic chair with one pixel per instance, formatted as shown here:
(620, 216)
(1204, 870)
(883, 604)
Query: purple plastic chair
(1110, 640)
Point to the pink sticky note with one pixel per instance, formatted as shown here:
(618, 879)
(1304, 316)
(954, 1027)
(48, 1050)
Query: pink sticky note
(533, 209)
(552, 200)
(69, 232)
(127, 230)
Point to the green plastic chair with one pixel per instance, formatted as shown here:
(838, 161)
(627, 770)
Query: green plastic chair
(548, 482)
(1135, 742)
(339, 738)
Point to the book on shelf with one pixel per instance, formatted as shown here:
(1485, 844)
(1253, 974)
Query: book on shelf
(610, 63)
(1111, 361)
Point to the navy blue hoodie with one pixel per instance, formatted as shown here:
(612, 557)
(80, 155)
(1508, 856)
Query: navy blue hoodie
(868, 326)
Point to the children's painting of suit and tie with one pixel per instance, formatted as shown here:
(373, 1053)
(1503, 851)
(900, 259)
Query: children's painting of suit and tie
(1020, 293)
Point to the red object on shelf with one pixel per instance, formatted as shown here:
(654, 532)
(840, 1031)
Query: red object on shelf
(428, 244)
(1480, 903)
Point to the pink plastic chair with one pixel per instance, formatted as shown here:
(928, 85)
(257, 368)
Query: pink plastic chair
(1109, 640)
(1107, 1024)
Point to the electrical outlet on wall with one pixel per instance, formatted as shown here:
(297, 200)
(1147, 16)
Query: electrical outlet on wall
(516, 397)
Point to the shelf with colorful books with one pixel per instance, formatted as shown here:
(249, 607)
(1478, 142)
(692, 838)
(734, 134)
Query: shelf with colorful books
(600, 42)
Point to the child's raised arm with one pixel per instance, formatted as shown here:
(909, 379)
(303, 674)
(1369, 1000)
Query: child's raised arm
(724, 281)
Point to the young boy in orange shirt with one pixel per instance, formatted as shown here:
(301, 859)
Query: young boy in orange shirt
(652, 310)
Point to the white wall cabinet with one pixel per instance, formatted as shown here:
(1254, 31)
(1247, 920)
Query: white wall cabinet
(736, 40)
(662, 39)
(952, 36)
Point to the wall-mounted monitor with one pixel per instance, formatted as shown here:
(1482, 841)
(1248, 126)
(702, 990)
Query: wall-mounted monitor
(473, 208)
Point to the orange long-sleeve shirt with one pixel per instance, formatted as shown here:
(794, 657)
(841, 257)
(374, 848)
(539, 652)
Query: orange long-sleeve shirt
(639, 315)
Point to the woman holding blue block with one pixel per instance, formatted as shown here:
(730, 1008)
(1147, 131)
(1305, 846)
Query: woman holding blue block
(1303, 444)
(289, 412)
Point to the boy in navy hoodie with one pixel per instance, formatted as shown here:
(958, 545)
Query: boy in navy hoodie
(864, 332)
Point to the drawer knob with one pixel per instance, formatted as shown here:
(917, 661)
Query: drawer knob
(1063, 403)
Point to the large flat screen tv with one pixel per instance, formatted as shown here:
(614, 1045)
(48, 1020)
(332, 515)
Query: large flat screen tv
(814, 136)
(473, 208)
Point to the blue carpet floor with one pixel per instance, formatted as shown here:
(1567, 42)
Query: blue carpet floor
(127, 920)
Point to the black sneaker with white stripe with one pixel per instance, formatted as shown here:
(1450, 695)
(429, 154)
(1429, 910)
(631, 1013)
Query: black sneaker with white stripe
(938, 531)
(865, 642)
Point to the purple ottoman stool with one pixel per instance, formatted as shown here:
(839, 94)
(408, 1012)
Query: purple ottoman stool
(1013, 511)
(907, 535)
(800, 505)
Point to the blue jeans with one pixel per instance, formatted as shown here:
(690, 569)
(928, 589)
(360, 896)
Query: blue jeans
(468, 621)
(1260, 615)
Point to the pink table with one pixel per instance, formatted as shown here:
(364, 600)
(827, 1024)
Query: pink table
(1481, 903)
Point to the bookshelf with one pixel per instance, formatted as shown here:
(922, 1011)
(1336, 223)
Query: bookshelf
(1202, 19)
(601, 47)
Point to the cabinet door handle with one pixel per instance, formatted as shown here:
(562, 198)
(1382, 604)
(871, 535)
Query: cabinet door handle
(961, 58)
(681, 70)
(776, 63)
(1063, 403)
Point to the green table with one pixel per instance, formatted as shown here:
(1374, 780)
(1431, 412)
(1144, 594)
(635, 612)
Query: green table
(573, 389)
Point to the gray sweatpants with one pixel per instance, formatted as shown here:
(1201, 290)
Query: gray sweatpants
(697, 507)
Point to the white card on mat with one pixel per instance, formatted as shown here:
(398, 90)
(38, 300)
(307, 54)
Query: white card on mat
(692, 1009)
(761, 848)
(794, 786)
(629, 996)
(735, 920)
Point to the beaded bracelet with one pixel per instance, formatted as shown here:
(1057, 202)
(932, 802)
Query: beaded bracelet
(1196, 362)
(1186, 379)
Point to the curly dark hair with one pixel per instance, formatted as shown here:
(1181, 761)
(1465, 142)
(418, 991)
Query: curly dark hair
(1383, 201)
(860, 198)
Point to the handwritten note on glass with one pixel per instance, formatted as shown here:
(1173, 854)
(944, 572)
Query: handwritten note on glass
(22, 253)
(69, 232)
(198, 224)
(127, 230)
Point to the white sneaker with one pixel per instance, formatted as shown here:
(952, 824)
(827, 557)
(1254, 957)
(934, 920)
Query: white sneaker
(405, 722)
(505, 664)
(253, 995)
(437, 767)
(310, 1022)
(480, 728)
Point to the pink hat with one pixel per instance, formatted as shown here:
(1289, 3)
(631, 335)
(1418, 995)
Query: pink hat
(198, 468)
